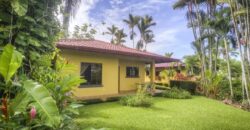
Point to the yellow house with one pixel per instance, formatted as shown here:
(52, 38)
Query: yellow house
(109, 69)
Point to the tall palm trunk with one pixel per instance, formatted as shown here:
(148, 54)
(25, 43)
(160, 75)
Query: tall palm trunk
(133, 38)
(203, 63)
(210, 55)
(216, 55)
(244, 79)
(228, 69)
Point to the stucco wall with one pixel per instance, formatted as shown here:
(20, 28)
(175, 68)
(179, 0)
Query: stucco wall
(126, 83)
(109, 72)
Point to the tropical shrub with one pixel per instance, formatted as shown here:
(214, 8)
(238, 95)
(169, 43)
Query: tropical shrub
(60, 81)
(141, 99)
(30, 98)
(183, 84)
(26, 104)
(177, 94)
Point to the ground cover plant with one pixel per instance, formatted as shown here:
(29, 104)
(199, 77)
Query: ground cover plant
(140, 99)
(176, 94)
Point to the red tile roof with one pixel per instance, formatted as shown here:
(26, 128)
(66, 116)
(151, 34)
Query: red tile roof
(168, 65)
(105, 47)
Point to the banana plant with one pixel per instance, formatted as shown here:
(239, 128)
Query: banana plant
(10, 61)
(31, 94)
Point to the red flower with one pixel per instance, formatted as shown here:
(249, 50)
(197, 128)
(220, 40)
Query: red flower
(32, 112)
(4, 108)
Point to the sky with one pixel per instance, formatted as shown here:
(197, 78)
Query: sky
(171, 32)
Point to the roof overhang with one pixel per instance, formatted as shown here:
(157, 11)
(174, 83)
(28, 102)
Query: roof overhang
(146, 55)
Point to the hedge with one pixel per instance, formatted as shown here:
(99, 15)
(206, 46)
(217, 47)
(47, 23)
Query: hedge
(184, 84)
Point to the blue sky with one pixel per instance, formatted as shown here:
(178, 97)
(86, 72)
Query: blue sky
(171, 32)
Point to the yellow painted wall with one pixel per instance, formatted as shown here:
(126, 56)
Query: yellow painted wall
(167, 79)
(109, 72)
(128, 84)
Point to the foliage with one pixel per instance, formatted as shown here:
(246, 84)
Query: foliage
(183, 84)
(39, 97)
(192, 64)
(141, 99)
(112, 31)
(146, 35)
(212, 89)
(31, 30)
(167, 73)
(169, 54)
(132, 21)
(220, 30)
(224, 91)
(86, 31)
(30, 94)
(32, 27)
(119, 37)
(10, 61)
(177, 94)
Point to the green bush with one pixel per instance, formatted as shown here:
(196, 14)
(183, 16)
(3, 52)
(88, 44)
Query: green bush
(161, 87)
(141, 99)
(224, 90)
(177, 94)
(186, 85)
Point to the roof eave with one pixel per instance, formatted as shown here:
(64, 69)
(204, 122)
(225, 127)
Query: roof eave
(157, 59)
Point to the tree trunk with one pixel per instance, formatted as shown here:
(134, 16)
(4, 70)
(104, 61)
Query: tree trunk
(133, 38)
(241, 54)
(228, 69)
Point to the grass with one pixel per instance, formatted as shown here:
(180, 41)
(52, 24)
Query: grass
(198, 113)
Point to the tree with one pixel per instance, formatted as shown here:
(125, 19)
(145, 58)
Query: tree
(69, 10)
(132, 21)
(220, 25)
(169, 54)
(31, 26)
(112, 31)
(149, 38)
(119, 37)
(144, 28)
(86, 31)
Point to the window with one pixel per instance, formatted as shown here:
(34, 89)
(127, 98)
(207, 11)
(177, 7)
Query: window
(132, 72)
(92, 73)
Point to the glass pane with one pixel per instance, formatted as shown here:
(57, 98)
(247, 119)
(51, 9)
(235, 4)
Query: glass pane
(92, 73)
(132, 71)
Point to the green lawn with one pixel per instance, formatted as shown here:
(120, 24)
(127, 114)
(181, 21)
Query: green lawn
(199, 113)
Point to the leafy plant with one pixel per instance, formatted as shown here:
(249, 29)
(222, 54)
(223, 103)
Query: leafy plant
(10, 61)
(141, 99)
(30, 94)
(177, 94)
(212, 89)
(36, 95)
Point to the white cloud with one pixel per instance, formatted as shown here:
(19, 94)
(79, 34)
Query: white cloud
(167, 33)
(82, 15)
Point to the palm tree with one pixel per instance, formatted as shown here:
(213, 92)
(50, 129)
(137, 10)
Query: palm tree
(139, 45)
(119, 37)
(236, 23)
(132, 21)
(112, 31)
(169, 54)
(149, 38)
(196, 18)
(146, 34)
(70, 9)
